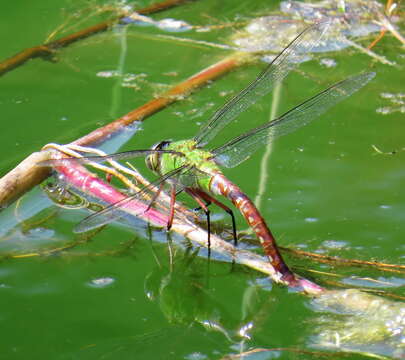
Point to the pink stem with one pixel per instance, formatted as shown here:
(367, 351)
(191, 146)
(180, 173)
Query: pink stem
(82, 179)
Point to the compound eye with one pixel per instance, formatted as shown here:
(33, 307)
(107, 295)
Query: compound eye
(161, 145)
(153, 160)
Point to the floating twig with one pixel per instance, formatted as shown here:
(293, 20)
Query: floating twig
(48, 49)
(347, 262)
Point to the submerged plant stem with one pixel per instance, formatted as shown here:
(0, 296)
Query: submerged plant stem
(264, 164)
(347, 262)
(117, 87)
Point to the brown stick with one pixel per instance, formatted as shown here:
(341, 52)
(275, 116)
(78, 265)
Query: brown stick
(155, 105)
(26, 175)
(47, 49)
(22, 178)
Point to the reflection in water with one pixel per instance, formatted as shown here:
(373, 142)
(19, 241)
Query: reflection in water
(187, 295)
(183, 297)
(349, 320)
(355, 321)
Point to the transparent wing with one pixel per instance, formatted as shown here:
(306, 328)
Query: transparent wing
(99, 159)
(287, 60)
(133, 202)
(242, 147)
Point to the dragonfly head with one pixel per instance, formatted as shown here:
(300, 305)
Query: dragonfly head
(153, 159)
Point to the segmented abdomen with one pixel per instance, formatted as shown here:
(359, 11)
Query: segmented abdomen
(222, 186)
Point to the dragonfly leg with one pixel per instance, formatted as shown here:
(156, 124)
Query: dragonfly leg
(171, 209)
(209, 199)
(155, 196)
(171, 206)
(200, 200)
(207, 203)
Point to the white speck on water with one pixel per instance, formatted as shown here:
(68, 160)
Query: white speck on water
(101, 282)
(129, 77)
(192, 111)
(171, 73)
(383, 110)
(107, 74)
(385, 206)
(396, 103)
(64, 118)
(327, 62)
(243, 331)
(20, 101)
(389, 110)
(385, 95)
(311, 220)
(173, 25)
(150, 295)
(334, 244)
(224, 93)
(178, 113)
(195, 356)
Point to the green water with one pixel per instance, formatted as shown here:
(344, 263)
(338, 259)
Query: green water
(121, 295)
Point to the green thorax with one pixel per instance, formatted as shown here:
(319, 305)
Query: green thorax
(198, 158)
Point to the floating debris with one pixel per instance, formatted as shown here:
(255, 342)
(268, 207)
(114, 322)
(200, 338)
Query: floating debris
(335, 244)
(170, 25)
(347, 20)
(128, 80)
(327, 62)
(396, 101)
(101, 282)
(358, 322)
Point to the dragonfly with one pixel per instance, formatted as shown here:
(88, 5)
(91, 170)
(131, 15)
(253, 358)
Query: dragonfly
(186, 166)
